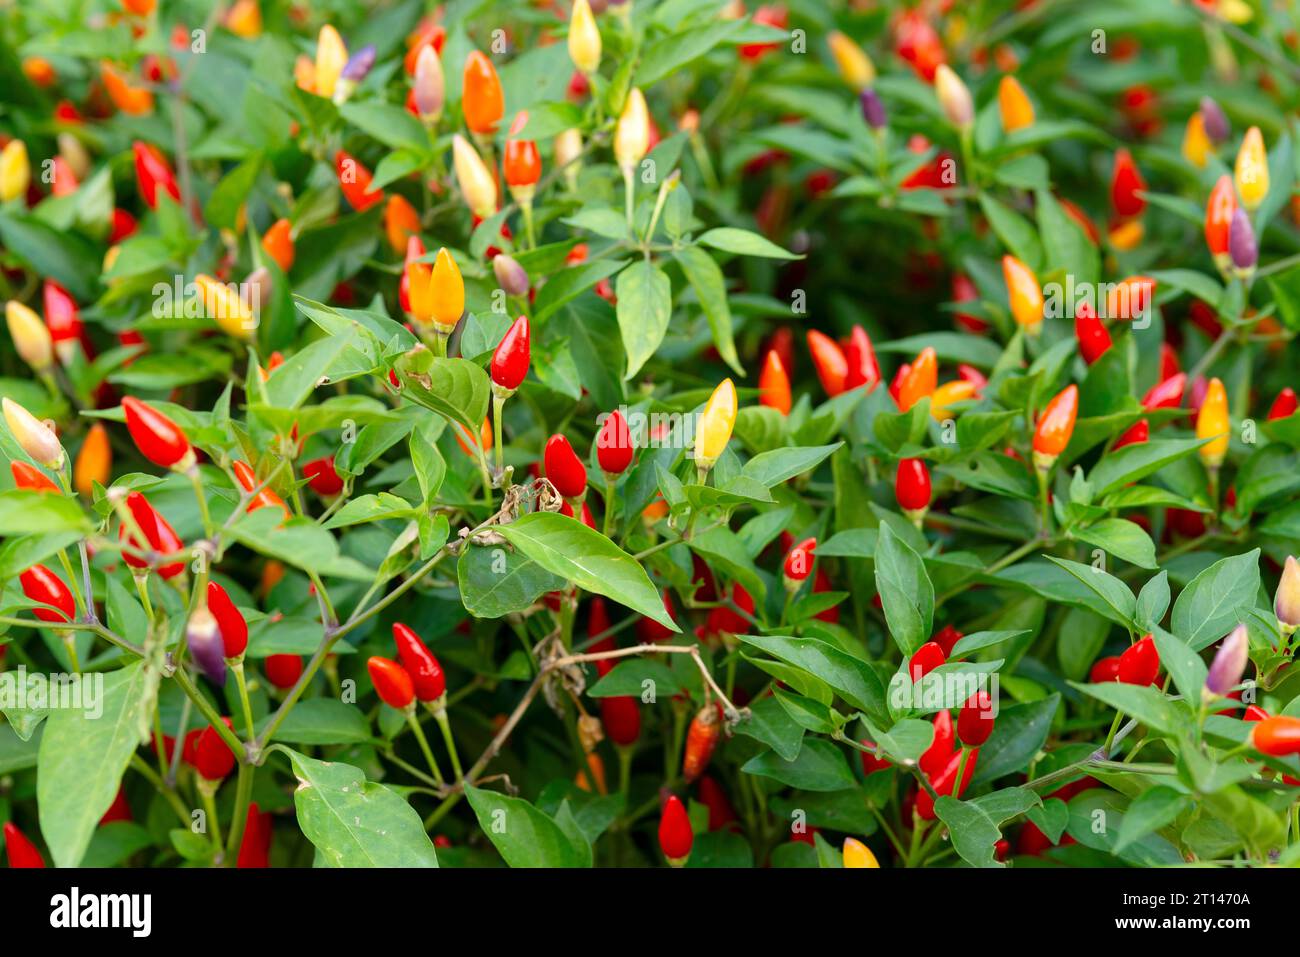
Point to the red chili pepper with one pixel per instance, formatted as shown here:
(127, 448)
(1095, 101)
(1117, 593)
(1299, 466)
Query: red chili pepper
(1094, 339)
(159, 535)
(1254, 713)
(1125, 183)
(1278, 736)
(925, 659)
(1105, 670)
(675, 834)
(42, 585)
(945, 781)
(975, 722)
(947, 638)
(1168, 361)
(29, 477)
(772, 16)
(863, 369)
(1284, 405)
(153, 173)
(234, 629)
(62, 318)
(621, 717)
(265, 498)
(614, 448)
(324, 480)
(935, 758)
(912, 485)
(799, 561)
(872, 763)
(22, 852)
(283, 671)
(598, 624)
(254, 849)
(119, 810)
(830, 362)
(963, 290)
(427, 677)
(212, 757)
(511, 357)
(1218, 218)
(721, 813)
(916, 42)
(354, 181)
(1140, 664)
(158, 438)
(521, 162)
(392, 682)
(1167, 394)
(1136, 434)
(564, 468)
(701, 739)
(649, 631)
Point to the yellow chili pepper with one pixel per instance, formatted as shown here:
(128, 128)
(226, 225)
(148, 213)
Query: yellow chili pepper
(31, 338)
(852, 61)
(857, 854)
(331, 57)
(716, 422)
(1196, 142)
(15, 171)
(945, 395)
(632, 134)
(475, 179)
(35, 437)
(1251, 171)
(1212, 423)
(224, 306)
(584, 38)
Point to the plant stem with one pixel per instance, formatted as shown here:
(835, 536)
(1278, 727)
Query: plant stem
(444, 725)
(424, 745)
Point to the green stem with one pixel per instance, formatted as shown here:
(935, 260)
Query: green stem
(241, 682)
(243, 796)
(424, 745)
(196, 480)
(444, 725)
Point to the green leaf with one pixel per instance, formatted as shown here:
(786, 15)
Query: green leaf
(354, 822)
(323, 721)
(24, 512)
(1216, 600)
(1124, 539)
(744, 243)
(977, 825)
(645, 305)
(570, 283)
(629, 677)
(1018, 734)
(1134, 462)
(456, 389)
(495, 582)
(390, 124)
(780, 465)
(63, 256)
(83, 752)
(1143, 702)
(851, 678)
(770, 723)
(820, 766)
(525, 836)
(588, 559)
(1151, 810)
(1015, 232)
(711, 290)
(905, 591)
(222, 209)
(1116, 597)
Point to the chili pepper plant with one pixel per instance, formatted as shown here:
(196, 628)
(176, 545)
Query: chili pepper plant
(657, 432)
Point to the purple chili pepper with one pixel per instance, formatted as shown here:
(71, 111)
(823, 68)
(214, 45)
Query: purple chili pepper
(1229, 663)
(873, 110)
(1217, 127)
(510, 275)
(1241, 242)
(204, 639)
(359, 64)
